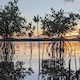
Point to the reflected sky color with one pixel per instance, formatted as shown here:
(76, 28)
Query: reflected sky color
(24, 48)
(23, 54)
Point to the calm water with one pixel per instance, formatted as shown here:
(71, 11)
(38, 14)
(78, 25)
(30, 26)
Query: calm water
(23, 52)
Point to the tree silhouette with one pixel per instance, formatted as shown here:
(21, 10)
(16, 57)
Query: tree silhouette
(59, 22)
(36, 20)
(11, 20)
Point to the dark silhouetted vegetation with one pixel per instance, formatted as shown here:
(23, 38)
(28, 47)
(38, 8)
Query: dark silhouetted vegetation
(59, 22)
(11, 22)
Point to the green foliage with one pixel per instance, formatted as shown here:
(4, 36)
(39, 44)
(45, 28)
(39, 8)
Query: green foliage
(11, 20)
(59, 22)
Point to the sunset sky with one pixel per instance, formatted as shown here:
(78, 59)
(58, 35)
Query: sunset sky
(29, 8)
(31, 56)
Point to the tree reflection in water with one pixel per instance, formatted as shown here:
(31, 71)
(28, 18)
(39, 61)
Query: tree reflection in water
(8, 69)
(54, 67)
(54, 70)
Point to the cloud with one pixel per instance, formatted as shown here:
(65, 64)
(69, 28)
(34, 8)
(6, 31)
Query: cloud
(69, 0)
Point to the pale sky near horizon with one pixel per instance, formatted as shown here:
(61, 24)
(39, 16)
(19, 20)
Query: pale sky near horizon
(30, 8)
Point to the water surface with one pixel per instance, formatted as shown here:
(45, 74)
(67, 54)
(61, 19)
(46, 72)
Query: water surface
(23, 52)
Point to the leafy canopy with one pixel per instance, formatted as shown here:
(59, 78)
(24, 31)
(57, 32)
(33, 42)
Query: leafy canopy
(59, 22)
(10, 19)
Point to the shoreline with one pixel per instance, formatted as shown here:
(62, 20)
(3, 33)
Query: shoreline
(40, 39)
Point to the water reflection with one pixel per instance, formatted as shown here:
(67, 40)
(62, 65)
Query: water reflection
(10, 70)
(54, 68)
(59, 61)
